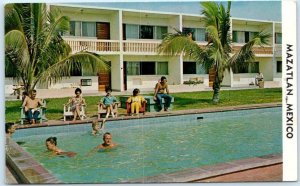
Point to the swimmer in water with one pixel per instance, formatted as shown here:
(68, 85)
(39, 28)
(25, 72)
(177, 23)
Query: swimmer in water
(51, 146)
(96, 128)
(107, 142)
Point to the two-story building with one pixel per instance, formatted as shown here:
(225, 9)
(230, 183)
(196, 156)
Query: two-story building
(128, 40)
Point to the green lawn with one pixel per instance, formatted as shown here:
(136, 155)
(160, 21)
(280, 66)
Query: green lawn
(183, 101)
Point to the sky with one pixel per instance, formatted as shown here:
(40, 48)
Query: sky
(261, 10)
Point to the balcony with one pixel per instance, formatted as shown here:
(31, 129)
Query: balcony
(93, 45)
(144, 47)
(258, 51)
(140, 47)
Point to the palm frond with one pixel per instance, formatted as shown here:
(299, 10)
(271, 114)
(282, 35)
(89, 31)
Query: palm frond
(86, 60)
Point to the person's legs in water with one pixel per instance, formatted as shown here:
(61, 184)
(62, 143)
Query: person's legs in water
(159, 101)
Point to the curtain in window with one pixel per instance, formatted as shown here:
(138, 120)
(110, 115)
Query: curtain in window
(161, 31)
(132, 31)
(89, 29)
(133, 68)
(200, 34)
(162, 68)
(200, 69)
(278, 38)
(240, 37)
(252, 34)
(253, 67)
(77, 28)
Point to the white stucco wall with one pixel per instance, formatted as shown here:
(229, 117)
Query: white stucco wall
(266, 67)
(117, 72)
(75, 81)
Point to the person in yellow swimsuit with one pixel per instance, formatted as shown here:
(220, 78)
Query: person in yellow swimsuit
(136, 101)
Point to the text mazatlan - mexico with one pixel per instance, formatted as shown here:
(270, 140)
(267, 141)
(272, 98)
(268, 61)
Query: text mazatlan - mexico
(289, 92)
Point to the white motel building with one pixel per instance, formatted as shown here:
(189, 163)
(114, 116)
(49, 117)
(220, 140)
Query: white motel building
(128, 40)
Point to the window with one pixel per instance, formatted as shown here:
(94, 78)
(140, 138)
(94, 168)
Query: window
(147, 68)
(133, 68)
(252, 67)
(146, 32)
(278, 38)
(89, 29)
(189, 67)
(186, 31)
(77, 70)
(160, 32)
(200, 34)
(132, 31)
(242, 37)
(78, 28)
(162, 68)
(75, 28)
(279, 66)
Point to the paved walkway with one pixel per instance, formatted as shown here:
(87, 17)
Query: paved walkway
(269, 173)
(69, 92)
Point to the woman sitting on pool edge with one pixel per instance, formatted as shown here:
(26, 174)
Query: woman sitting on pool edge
(51, 146)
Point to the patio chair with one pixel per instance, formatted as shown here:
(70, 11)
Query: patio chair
(102, 110)
(41, 116)
(68, 112)
(142, 109)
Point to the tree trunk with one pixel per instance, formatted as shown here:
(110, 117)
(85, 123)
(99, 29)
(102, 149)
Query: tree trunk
(216, 88)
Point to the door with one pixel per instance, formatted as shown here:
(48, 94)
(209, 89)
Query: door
(211, 76)
(103, 32)
(104, 79)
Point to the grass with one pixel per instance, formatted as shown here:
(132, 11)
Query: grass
(183, 101)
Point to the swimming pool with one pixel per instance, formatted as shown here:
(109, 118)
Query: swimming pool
(159, 145)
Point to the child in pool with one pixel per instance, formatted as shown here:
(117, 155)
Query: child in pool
(51, 146)
(96, 128)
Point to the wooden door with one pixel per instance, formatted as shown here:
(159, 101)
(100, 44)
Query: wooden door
(103, 32)
(211, 76)
(104, 79)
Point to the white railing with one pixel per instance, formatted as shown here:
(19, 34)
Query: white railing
(93, 45)
(143, 46)
(258, 50)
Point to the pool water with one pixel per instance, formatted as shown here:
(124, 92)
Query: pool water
(157, 145)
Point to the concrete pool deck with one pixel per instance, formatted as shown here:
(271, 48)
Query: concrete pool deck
(224, 172)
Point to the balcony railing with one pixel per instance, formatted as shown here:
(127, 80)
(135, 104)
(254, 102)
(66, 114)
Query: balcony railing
(93, 45)
(142, 46)
(257, 50)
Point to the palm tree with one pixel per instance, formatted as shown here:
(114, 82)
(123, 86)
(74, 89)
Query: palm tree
(217, 54)
(34, 49)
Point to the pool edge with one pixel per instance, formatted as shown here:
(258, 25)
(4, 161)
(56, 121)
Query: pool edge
(26, 169)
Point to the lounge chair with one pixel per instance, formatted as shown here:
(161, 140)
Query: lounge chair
(142, 109)
(68, 112)
(41, 116)
(102, 111)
